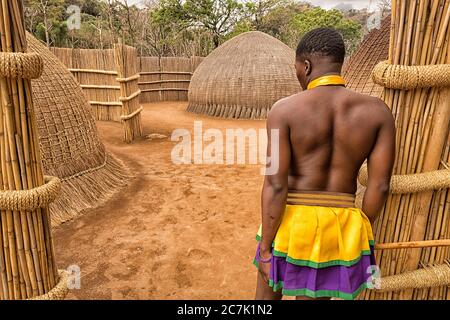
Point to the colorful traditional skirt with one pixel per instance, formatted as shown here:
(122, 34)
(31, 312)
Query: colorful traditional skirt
(323, 247)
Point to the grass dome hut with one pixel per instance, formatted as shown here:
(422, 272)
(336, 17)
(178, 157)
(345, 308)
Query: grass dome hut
(69, 142)
(243, 78)
(358, 68)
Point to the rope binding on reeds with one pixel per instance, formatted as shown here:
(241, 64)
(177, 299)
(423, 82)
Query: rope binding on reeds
(135, 77)
(413, 183)
(407, 78)
(132, 115)
(429, 277)
(131, 97)
(59, 292)
(32, 199)
(105, 72)
(18, 65)
(411, 77)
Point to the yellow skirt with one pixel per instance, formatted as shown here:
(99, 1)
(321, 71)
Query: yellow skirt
(323, 247)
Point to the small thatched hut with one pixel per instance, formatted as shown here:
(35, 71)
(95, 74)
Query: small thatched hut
(358, 68)
(69, 142)
(243, 78)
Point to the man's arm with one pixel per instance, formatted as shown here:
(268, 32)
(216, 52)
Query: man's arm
(380, 164)
(275, 189)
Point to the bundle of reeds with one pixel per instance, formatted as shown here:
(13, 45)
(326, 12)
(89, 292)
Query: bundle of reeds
(127, 68)
(27, 258)
(419, 36)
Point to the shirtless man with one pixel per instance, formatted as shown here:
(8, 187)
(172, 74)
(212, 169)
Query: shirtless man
(314, 243)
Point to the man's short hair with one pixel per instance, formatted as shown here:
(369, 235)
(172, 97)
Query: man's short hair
(322, 42)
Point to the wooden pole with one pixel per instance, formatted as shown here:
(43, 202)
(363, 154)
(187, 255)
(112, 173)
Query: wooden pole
(413, 244)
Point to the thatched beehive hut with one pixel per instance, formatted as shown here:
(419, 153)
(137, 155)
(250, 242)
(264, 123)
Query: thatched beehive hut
(69, 142)
(358, 68)
(243, 78)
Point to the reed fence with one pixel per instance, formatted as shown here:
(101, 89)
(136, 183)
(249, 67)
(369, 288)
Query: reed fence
(96, 71)
(166, 78)
(161, 78)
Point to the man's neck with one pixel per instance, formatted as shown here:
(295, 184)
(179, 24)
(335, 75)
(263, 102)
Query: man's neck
(316, 75)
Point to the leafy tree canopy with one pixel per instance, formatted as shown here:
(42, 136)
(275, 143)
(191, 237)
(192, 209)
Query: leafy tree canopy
(183, 27)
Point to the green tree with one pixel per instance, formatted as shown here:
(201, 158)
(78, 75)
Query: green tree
(318, 17)
(217, 16)
(168, 25)
(195, 26)
(49, 22)
(270, 16)
(258, 10)
(181, 27)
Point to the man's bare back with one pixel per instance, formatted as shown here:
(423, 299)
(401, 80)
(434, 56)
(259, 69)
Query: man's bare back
(332, 132)
(324, 135)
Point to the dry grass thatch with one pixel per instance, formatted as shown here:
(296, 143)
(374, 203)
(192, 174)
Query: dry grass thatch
(69, 142)
(243, 78)
(358, 68)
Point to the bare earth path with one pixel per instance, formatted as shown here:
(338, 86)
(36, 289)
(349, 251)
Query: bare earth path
(176, 232)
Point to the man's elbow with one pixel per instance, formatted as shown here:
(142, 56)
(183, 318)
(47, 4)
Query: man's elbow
(382, 187)
(277, 187)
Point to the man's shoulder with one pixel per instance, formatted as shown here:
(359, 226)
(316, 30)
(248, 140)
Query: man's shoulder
(379, 108)
(373, 106)
(283, 105)
(366, 99)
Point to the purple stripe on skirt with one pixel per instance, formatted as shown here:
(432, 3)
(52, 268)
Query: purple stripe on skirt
(338, 278)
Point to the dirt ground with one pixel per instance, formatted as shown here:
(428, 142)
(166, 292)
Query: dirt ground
(176, 231)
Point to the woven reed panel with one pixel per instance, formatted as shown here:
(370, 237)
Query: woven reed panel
(358, 68)
(94, 59)
(150, 81)
(243, 78)
(68, 140)
(164, 83)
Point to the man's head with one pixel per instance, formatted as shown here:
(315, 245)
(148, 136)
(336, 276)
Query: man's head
(321, 51)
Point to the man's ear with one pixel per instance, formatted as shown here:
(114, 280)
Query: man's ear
(307, 67)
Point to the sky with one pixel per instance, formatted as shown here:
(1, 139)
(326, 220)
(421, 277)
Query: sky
(356, 4)
(327, 4)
